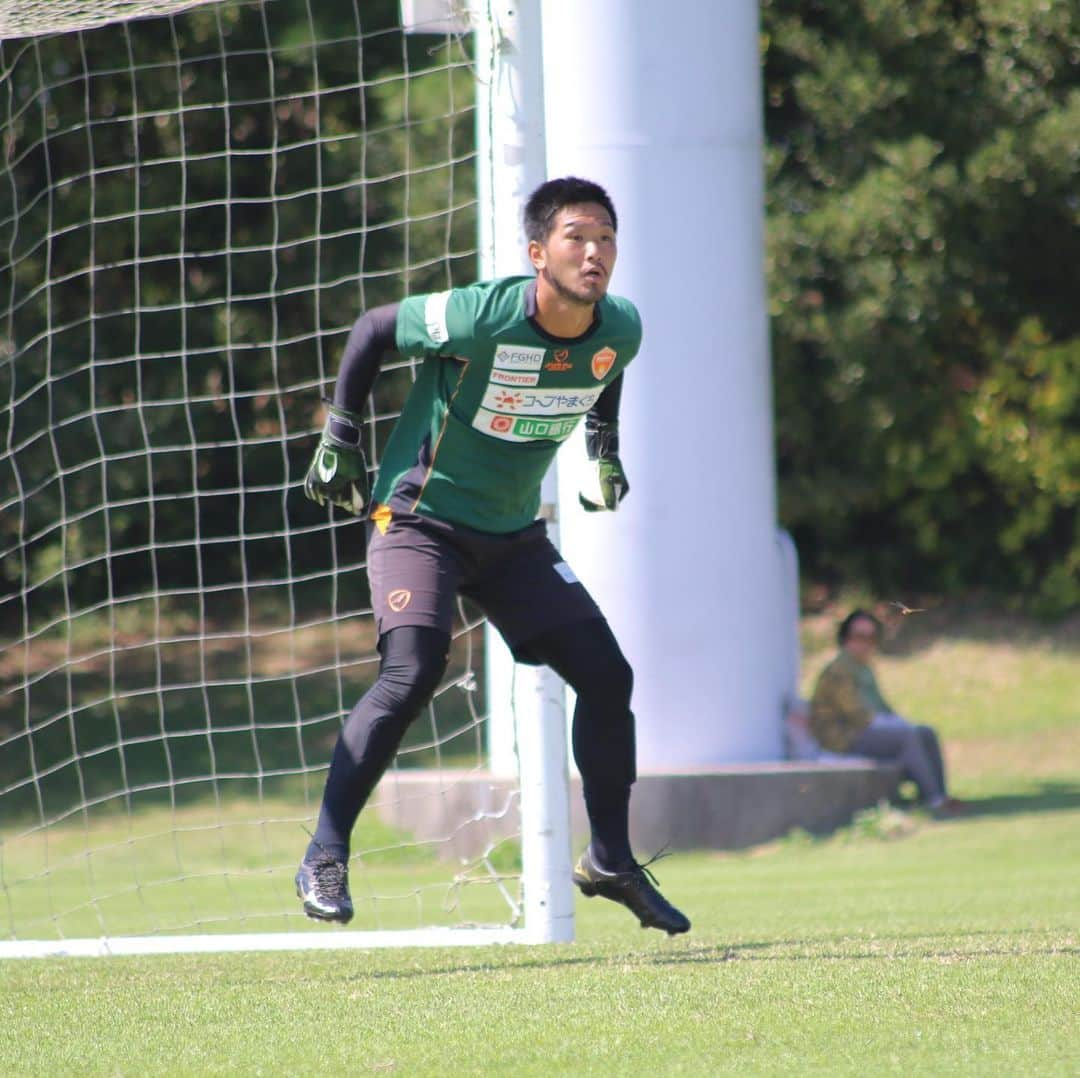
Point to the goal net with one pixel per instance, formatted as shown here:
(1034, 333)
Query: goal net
(198, 199)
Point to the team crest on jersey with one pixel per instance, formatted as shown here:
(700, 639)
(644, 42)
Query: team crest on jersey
(560, 361)
(602, 362)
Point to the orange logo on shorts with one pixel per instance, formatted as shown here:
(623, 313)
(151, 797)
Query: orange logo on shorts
(399, 599)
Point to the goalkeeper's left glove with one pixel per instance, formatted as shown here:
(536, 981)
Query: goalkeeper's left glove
(338, 471)
(606, 484)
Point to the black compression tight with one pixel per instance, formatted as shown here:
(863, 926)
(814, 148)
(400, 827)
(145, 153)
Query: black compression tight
(414, 659)
(588, 658)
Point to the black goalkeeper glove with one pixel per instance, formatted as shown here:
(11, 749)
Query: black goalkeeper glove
(606, 484)
(338, 471)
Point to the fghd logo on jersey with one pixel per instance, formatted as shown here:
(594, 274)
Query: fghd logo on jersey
(518, 357)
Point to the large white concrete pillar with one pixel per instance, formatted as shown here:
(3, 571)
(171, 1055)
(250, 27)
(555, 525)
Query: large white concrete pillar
(661, 103)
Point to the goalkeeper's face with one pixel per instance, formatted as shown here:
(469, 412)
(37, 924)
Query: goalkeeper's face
(577, 256)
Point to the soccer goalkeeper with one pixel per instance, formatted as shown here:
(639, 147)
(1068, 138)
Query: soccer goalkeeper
(509, 368)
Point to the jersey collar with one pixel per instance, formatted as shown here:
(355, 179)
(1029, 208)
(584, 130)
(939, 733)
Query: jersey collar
(530, 314)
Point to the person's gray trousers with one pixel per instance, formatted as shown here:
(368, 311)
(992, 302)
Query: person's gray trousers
(915, 748)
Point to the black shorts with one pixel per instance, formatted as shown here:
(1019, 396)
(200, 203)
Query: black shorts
(419, 565)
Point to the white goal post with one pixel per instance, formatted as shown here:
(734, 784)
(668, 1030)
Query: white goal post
(198, 199)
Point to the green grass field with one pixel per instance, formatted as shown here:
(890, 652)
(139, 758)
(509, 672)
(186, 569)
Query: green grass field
(895, 945)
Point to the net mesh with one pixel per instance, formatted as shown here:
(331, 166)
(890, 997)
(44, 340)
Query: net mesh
(195, 208)
(26, 18)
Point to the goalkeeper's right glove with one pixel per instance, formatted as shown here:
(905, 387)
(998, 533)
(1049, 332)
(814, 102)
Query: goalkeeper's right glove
(338, 471)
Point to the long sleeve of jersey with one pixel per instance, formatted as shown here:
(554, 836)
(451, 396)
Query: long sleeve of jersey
(372, 336)
(606, 409)
(602, 423)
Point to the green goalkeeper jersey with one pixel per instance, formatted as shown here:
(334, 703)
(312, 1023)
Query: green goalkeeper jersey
(494, 398)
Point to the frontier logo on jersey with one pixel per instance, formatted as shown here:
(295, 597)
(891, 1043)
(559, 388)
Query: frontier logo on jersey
(515, 378)
(560, 361)
(602, 362)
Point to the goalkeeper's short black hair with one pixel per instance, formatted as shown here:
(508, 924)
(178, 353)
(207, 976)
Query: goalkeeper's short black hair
(550, 197)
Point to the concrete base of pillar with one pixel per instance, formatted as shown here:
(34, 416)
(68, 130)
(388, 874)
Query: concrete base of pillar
(723, 808)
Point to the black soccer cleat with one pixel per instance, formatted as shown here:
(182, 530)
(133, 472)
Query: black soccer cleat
(323, 884)
(633, 888)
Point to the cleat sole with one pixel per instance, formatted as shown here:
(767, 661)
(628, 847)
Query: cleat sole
(325, 918)
(672, 925)
(314, 914)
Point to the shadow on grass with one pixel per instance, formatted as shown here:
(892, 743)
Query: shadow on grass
(944, 946)
(1047, 796)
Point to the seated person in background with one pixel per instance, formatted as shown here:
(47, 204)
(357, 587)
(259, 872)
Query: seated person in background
(849, 715)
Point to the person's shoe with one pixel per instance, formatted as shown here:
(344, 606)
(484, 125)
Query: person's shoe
(323, 884)
(949, 809)
(633, 888)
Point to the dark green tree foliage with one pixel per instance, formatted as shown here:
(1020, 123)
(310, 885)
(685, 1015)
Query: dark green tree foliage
(924, 259)
(193, 211)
